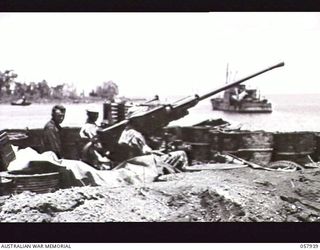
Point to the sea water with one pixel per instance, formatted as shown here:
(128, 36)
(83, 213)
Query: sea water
(290, 113)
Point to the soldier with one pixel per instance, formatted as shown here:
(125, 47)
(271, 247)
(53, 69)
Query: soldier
(134, 144)
(52, 131)
(89, 129)
(93, 153)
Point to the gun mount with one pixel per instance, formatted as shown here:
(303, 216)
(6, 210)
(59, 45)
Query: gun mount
(160, 116)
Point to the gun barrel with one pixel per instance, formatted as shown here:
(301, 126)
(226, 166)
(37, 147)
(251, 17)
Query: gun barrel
(239, 81)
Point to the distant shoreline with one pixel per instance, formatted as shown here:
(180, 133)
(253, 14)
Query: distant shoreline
(83, 100)
(8, 100)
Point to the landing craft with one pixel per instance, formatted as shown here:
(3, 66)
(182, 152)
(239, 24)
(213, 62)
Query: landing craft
(241, 99)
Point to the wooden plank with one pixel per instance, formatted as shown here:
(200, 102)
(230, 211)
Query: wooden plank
(214, 166)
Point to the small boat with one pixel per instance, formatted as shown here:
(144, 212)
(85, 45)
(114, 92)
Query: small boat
(21, 102)
(241, 100)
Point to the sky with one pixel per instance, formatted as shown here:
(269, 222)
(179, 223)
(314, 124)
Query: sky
(164, 53)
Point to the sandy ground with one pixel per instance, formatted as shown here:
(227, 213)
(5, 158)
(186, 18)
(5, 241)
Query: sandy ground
(234, 195)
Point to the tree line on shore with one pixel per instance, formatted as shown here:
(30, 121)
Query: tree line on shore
(10, 88)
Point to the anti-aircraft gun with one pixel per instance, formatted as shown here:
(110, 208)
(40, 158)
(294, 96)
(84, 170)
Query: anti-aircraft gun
(158, 117)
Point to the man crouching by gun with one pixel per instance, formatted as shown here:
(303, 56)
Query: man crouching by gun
(133, 144)
(93, 152)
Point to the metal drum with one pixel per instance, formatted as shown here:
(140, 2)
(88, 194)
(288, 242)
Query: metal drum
(294, 146)
(199, 138)
(196, 134)
(200, 151)
(229, 142)
(256, 146)
(173, 133)
(316, 155)
(214, 142)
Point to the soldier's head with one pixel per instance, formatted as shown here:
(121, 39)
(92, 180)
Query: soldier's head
(58, 113)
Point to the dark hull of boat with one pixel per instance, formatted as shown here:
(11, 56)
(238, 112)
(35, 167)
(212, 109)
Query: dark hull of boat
(246, 107)
(245, 111)
(21, 104)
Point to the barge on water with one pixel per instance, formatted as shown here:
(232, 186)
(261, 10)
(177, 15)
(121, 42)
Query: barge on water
(241, 100)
